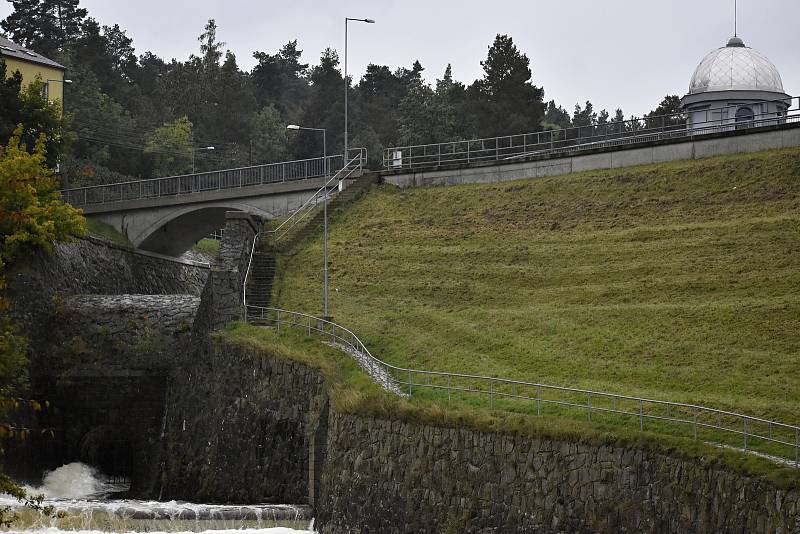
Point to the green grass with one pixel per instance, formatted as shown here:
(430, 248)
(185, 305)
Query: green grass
(678, 281)
(107, 232)
(207, 246)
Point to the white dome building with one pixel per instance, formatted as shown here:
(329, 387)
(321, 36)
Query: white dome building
(734, 84)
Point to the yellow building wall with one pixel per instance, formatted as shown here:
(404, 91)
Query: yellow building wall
(29, 71)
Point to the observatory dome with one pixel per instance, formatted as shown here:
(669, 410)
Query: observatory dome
(735, 86)
(736, 67)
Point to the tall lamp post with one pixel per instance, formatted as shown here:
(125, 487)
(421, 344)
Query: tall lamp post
(195, 151)
(324, 217)
(346, 83)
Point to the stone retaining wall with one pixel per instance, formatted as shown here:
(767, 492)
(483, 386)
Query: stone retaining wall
(95, 266)
(239, 428)
(247, 427)
(395, 477)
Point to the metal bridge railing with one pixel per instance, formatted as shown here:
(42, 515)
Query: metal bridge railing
(576, 139)
(172, 186)
(746, 432)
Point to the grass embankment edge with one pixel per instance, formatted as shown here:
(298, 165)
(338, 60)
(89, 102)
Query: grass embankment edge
(107, 232)
(352, 392)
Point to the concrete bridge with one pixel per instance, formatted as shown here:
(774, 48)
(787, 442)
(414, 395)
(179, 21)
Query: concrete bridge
(168, 215)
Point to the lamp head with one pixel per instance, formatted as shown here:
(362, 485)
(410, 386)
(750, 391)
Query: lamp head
(293, 127)
(369, 21)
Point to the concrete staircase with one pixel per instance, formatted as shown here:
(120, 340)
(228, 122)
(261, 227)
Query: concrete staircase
(265, 257)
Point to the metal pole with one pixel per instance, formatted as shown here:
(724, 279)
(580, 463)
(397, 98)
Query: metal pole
(641, 417)
(449, 382)
(346, 88)
(325, 256)
(589, 405)
(538, 400)
(744, 420)
(325, 153)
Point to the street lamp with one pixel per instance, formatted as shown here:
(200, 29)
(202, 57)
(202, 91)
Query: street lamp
(324, 217)
(195, 150)
(324, 142)
(346, 83)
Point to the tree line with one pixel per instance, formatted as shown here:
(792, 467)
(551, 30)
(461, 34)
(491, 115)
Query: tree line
(132, 115)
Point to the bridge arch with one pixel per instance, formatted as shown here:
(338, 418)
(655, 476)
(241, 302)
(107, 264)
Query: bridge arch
(177, 229)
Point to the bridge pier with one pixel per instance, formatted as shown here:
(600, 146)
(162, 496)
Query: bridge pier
(222, 300)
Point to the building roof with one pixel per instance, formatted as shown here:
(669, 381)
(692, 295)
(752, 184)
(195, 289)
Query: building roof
(13, 50)
(735, 67)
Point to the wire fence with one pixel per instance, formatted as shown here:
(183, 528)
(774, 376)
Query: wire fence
(584, 138)
(740, 431)
(172, 186)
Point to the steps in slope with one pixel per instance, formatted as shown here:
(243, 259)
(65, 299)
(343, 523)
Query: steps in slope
(263, 267)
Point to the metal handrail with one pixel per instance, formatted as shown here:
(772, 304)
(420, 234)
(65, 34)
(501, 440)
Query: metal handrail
(355, 163)
(686, 414)
(552, 142)
(172, 186)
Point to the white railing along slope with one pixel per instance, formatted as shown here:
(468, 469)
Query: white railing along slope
(754, 432)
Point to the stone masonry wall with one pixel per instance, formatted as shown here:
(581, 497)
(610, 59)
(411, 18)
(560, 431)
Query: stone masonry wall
(239, 428)
(222, 298)
(247, 427)
(94, 266)
(395, 477)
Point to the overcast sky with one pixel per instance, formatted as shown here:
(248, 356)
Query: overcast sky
(617, 53)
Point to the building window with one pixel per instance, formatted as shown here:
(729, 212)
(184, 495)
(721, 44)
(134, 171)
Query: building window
(46, 91)
(744, 115)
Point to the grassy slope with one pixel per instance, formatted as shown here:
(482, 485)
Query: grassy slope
(678, 281)
(106, 231)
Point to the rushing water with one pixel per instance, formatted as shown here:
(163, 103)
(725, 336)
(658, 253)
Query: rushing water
(84, 504)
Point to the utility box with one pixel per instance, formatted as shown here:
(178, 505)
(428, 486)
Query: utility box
(396, 161)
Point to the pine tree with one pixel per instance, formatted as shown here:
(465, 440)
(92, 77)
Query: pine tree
(46, 26)
(514, 103)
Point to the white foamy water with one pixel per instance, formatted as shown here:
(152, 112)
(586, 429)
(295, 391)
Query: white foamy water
(78, 493)
(75, 481)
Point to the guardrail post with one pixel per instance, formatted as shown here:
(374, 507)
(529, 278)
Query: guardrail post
(409, 382)
(797, 447)
(538, 400)
(694, 425)
(491, 395)
(278, 320)
(589, 405)
(449, 382)
(744, 421)
(641, 416)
